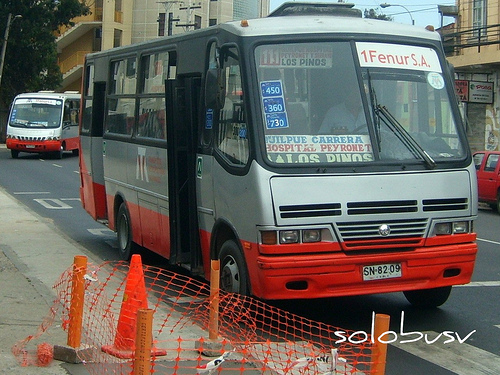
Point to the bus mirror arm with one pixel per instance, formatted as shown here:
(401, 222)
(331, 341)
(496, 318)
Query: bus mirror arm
(211, 88)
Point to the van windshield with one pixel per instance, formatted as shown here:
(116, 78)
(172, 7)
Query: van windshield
(36, 113)
(321, 103)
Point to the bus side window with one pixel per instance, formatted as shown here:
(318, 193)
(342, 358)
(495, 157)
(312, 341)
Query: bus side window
(71, 109)
(121, 98)
(232, 136)
(155, 70)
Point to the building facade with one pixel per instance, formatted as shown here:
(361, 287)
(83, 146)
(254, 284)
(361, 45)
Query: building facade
(113, 23)
(472, 45)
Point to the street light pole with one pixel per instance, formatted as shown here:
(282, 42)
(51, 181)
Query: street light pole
(4, 44)
(386, 5)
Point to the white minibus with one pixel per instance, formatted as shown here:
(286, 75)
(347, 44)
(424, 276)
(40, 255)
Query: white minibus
(44, 122)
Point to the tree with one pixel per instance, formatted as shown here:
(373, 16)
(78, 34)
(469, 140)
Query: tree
(373, 13)
(31, 55)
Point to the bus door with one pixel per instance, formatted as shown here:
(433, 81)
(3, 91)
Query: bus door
(182, 98)
(93, 193)
(70, 124)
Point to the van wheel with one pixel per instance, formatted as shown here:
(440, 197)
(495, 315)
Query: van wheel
(233, 273)
(428, 298)
(497, 206)
(14, 154)
(124, 233)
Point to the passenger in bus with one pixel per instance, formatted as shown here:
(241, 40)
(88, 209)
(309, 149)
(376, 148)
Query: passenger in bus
(346, 117)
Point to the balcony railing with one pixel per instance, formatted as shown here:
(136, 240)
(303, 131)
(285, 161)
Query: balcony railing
(76, 59)
(454, 42)
(95, 15)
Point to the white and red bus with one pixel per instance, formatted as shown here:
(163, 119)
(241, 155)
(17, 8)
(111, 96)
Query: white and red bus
(221, 144)
(44, 122)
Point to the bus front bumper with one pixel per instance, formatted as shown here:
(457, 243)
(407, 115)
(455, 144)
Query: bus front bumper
(33, 146)
(340, 274)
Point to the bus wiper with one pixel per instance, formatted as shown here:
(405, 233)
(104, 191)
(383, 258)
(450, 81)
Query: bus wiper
(404, 136)
(375, 115)
(20, 123)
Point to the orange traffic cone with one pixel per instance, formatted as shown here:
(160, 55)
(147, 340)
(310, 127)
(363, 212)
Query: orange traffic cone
(134, 298)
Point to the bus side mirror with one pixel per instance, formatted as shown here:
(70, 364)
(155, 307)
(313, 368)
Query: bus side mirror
(66, 124)
(211, 88)
(214, 92)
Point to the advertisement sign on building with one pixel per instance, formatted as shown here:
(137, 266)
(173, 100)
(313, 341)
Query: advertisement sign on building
(462, 89)
(480, 92)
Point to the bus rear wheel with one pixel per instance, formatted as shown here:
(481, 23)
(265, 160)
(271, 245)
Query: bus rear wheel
(428, 298)
(126, 246)
(233, 273)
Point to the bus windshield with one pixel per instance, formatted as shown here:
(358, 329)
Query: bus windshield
(343, 102)
(36, 113)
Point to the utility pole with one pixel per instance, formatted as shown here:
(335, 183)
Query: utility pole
(4, 44)
(189, 13)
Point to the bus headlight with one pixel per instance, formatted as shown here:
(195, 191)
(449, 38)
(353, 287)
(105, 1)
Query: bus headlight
(311, 235)
(454, 227)
(442, 229)
(289, 236)
(460, 227)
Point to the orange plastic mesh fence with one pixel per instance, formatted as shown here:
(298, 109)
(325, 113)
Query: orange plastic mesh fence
(253, 337)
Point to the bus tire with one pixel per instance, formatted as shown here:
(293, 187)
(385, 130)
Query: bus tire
(428, 298)
(126, 246)
(14, 154)
(233, 273)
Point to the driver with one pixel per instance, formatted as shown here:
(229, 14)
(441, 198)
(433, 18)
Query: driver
(346, 117)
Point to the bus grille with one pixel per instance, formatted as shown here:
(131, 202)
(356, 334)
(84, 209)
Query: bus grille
(373, 208)
(367, 234)
(445, 204)
(310, 210)
(386, 207)
(30, 139)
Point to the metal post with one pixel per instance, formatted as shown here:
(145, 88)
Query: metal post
(143, 342)
(77, 301)
(379, 355)
(4, 44)
(213, 324)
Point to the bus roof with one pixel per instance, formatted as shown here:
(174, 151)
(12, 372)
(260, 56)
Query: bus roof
(308, 24)
(47, 94)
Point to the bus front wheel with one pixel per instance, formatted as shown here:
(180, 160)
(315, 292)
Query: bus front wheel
(14, 154)
(428, 298)
(233, 274)
(124, 233)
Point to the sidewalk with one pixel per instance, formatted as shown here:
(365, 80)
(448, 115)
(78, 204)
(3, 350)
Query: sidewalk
(33, 254)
